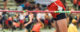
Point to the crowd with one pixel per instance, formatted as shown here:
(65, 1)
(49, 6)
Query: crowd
(34, 21)
(22, 19)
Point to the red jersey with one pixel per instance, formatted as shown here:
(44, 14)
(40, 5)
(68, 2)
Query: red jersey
(54, 7)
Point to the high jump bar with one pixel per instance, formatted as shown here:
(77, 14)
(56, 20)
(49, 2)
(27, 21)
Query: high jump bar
(41, 11)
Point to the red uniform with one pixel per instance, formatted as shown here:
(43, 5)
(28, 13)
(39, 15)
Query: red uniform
(61, 22)
(54, 7)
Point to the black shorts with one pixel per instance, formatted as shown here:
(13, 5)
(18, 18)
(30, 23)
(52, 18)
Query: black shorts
(29, 26)
(60, 16)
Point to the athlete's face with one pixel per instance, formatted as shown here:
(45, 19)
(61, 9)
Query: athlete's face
(53, 0)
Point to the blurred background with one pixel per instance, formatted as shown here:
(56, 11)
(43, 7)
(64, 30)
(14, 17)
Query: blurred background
(14, 21)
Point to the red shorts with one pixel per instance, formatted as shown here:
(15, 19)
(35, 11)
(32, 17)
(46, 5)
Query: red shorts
(22, 21)
(6, 22)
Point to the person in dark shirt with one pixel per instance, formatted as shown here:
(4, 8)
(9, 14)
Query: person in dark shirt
(70, 19)
(28, 24)
(28, 6)
(78, 20)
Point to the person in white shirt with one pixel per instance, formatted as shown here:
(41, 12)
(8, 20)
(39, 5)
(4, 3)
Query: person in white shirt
(21, 20)
(41, 17)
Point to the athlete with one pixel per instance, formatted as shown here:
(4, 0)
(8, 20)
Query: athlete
(60, 18)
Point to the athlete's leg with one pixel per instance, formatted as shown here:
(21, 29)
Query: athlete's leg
(61, 25)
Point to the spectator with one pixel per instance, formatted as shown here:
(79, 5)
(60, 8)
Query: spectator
(26, 16)
(74, 3)
(37, 27)
(20, 8)
(28, 24)
(21, 20)
(78, 19)
(41, 17)
(15, 19)
(27, 6)
(9, 22)
(15, 23)
(71, 16)
(70, 19)
(72, 26)
(1, 20)
(48, 19)
(1, 23)
(40, 20)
